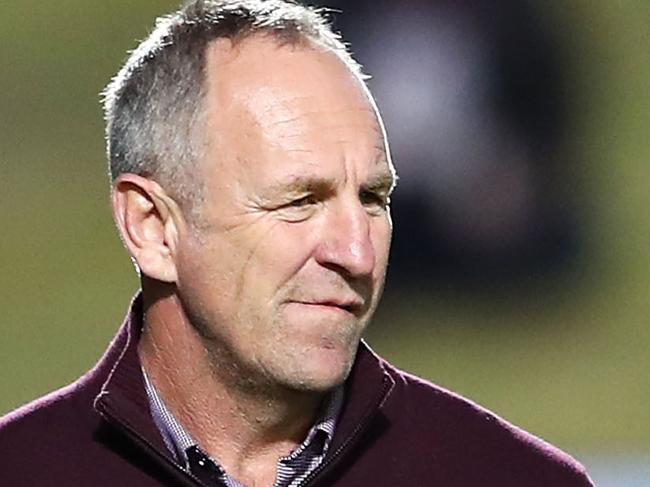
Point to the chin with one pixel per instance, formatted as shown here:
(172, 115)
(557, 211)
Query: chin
(324, 371)
(315, 355)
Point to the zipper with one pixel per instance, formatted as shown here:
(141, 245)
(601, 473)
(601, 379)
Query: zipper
(350, 439)
(147, 446)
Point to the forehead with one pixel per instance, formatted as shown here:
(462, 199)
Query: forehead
(297, 103)
(235, 68)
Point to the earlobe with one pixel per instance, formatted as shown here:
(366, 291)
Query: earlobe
(146, 225)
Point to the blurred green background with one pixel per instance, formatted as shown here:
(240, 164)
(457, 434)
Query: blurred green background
(567, 358)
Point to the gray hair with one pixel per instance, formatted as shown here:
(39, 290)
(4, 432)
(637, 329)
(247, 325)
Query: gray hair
(154, 106)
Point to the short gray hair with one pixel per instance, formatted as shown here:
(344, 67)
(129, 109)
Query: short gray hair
(154, 106)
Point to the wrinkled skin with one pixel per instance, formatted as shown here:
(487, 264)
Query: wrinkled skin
(287, 264)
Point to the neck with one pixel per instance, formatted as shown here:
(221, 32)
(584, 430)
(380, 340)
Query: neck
(244, 425)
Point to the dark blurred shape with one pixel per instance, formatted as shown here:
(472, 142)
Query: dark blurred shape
(473, 95)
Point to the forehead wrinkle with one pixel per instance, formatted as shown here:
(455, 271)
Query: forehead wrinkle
(284, 104)
(300, 140)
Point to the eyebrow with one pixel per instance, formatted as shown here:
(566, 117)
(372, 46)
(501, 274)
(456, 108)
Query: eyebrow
(381, 183)
(299, 184)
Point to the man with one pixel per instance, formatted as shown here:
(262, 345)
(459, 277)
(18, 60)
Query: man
(250, 184)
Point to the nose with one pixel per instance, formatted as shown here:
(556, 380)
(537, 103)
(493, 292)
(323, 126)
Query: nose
(346, 241)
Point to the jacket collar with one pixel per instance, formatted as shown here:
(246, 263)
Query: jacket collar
(367, 389)
(123, 401)
(122, 398)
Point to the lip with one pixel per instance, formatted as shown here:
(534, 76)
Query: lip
(348, 306)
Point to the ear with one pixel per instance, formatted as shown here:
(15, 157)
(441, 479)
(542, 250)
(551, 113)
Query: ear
(148, 222)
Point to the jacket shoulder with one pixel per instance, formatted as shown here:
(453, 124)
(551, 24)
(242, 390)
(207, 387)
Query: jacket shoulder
(467, 435)
(46, 437)
(53, 419)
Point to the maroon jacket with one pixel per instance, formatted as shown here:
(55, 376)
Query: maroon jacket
(394, 430)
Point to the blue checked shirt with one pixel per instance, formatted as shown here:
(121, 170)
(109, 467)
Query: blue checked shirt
(291, 470)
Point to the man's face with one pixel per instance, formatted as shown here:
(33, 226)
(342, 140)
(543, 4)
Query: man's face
(287, 265)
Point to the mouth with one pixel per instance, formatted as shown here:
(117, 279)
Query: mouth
(354, 307)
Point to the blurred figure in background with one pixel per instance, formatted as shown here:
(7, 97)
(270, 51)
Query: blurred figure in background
(474, 99)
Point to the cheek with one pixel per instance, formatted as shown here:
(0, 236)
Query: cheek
(198, 279)
(381, 234)
(287, 248)
(210, 268)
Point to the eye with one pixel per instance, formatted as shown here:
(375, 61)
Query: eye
(304, 201)
(374, 200)
(299, 209)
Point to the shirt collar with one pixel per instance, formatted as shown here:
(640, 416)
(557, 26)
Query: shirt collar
(178, 440)
(174, 435)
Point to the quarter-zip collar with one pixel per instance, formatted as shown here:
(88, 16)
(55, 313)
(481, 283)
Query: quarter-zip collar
(123, 401)
(123, 395)
(367, 389)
